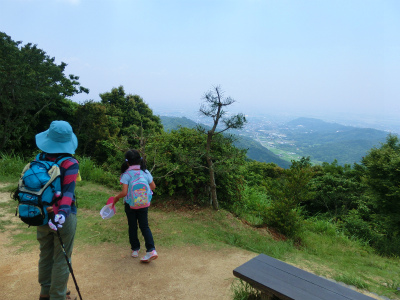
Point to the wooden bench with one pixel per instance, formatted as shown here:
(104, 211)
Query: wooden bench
(286, 282)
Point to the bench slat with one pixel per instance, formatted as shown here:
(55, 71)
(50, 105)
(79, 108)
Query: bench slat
(288, 282)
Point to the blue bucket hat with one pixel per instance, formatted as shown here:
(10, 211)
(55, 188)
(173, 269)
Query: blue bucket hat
(59, 138)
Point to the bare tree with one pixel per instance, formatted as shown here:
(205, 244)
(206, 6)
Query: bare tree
(214, 108)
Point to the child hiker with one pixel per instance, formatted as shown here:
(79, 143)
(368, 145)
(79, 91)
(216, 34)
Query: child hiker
(134, 173)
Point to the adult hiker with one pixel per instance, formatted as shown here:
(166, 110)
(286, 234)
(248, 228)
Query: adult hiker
(58, 141)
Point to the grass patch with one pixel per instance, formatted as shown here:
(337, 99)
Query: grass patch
(352, 279)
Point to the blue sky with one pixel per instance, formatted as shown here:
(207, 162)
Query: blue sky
(301, 56)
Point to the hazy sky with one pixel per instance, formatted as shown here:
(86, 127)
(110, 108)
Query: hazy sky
(323, 56)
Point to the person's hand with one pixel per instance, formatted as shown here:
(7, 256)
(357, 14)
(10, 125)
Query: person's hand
(60, 219)
(52, 226)
(115, 200)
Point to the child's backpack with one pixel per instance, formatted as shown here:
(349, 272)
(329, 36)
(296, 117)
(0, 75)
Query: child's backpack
(139, 192)
(38, 188)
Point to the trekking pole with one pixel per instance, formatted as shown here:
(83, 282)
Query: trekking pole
(51, 216)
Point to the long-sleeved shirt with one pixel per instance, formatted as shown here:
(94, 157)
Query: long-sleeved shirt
(69, 172)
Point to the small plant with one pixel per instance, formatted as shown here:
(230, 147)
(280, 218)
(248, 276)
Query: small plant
(284, 217)
(243, 291)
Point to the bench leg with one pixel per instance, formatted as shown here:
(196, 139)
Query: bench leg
(269, 296)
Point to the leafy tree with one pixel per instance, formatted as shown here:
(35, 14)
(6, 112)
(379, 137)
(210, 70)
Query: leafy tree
(136, 118)
(337, 190)
(31, 83)
(288, 192)
(177, 162)
(93, 127)
(179, 165)
(214, 107)
(260, 175)
(382, 167)
(304, 162)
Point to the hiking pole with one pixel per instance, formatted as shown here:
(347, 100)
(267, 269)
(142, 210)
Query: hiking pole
(51, 216)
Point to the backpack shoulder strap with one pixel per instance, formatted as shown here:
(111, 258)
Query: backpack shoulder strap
(58, 160)
(61, 158)
(133, 175)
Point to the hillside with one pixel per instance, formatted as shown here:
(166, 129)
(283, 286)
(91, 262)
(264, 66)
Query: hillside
(281, 143)
(255, 150)
(326, 142)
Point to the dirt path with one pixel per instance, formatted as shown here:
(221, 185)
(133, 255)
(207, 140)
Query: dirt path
(108, 272)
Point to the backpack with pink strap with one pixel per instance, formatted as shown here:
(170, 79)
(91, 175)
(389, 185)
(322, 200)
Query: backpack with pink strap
(139, 192)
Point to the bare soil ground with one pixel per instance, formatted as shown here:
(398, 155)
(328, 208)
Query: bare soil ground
(109, 272)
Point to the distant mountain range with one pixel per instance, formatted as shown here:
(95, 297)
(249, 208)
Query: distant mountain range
(255, 150)
(322, 141)
(325, 142)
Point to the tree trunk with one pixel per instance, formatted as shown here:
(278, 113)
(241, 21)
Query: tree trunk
(213, 186)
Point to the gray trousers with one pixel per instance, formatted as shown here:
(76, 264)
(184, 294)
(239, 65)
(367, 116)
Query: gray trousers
(53, 267)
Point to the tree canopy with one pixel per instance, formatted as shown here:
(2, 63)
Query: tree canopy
(30, 83)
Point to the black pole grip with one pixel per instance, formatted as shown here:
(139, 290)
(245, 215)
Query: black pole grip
(50, 213)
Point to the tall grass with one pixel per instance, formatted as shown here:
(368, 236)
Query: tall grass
(243, 291)
(11, 166)
(89, 171)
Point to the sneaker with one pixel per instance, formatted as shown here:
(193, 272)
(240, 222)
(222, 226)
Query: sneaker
(69, 297)
(135, 253)
(149, 256)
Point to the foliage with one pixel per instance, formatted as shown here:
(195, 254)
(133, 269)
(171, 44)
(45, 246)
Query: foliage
(287, 193)
(134, 115)
(177, 162)
(253, 203)
(89, 171)
(242, 290)
(11, 165)
(284, 217)
(382, 166)
(31, 84)
(336, 189)
(354, 226)
(93, 128)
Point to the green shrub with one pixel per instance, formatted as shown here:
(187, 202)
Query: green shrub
(387, 245)
(90, 172)
(354, 226)
(11, 165)
(322, 226)
(250, 207)
(285, 218)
